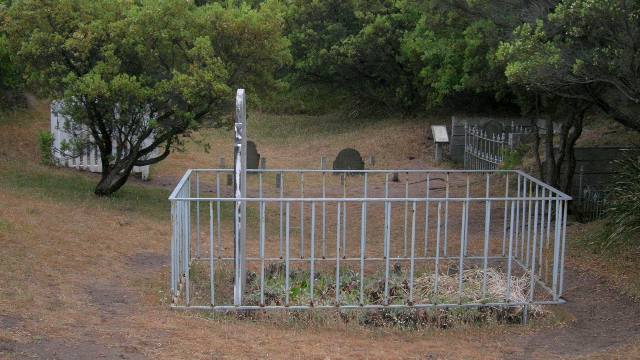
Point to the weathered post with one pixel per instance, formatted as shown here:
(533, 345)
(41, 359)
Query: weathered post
(240, 191)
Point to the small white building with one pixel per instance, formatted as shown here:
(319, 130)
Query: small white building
(89, 158)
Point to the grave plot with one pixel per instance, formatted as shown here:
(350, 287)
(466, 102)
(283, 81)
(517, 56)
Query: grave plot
(318, 238)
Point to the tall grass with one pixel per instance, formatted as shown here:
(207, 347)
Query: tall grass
(622, 225)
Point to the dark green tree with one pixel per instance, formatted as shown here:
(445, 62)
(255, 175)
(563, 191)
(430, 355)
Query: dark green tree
(139, 74)
(587, 50)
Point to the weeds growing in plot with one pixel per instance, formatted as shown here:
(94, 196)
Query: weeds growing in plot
(397, 289)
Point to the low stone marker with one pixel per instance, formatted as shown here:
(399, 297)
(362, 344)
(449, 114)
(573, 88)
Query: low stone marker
(253, 157)
(348, 159)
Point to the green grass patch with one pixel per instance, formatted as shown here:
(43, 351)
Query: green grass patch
(5, 225)
(77, 188)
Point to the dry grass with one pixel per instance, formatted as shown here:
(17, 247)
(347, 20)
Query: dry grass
(82, 277)
(620, 267)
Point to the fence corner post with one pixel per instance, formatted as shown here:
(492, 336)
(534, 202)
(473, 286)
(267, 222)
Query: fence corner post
(240, 191)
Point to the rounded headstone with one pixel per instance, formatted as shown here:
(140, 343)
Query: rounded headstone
(348, 159)
(493, 127)
(253, 157)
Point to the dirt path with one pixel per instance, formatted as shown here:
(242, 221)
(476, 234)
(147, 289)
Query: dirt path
(604, 319)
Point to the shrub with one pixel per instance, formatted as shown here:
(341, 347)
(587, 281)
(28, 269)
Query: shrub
(623, 213)
(45, 147)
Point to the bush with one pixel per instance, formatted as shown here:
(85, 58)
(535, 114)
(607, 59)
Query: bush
(45, 147)
(623, 213)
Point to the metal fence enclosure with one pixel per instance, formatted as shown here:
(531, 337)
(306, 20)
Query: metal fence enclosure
(315, 238)
(487, 151)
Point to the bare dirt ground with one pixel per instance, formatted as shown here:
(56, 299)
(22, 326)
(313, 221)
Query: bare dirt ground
(84, 280)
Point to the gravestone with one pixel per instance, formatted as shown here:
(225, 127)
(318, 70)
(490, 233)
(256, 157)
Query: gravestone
(348, 159)
(253, 157)
(493, 127)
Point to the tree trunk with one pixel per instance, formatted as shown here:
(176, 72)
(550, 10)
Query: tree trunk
(564, 158)
(113, 178)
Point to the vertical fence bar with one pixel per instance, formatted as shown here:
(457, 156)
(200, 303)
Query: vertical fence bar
(524, 216)
(262, 205)
(529, 194)
(312, 260)
(363, 236)
(174, 256)
(542, 232)
(386, 196)
(532, 272)
(212, 264)
(413, 252)
(281, 210)
(517, 222)
(338, 255)
(504, 226)
(466, 227)
(198, 245)
(436, 271)
(564, 245)
(324, 215)
(487, 229)
(240, 192)
(406, 216)
(556, 251)
(446, 216)
(426, 217)
(510, 258)
(344, 218)
(218, 220)
(463, 225)
(302, 216)
(387, 252)
(286, 256)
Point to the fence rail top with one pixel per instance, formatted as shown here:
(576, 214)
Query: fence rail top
(555, 193)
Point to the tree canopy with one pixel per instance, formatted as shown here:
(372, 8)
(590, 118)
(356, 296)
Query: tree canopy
(139, 74)
(135, 70)
(587, 50)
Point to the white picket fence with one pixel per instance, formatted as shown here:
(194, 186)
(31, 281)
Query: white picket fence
(89, 158)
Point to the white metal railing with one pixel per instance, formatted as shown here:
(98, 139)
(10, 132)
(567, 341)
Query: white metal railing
(305, 238)
(355, 231)
(487, 151)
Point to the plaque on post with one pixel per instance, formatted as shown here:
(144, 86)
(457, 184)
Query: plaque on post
(440, 138)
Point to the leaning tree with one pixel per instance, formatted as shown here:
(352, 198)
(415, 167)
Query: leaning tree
(137, 75)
